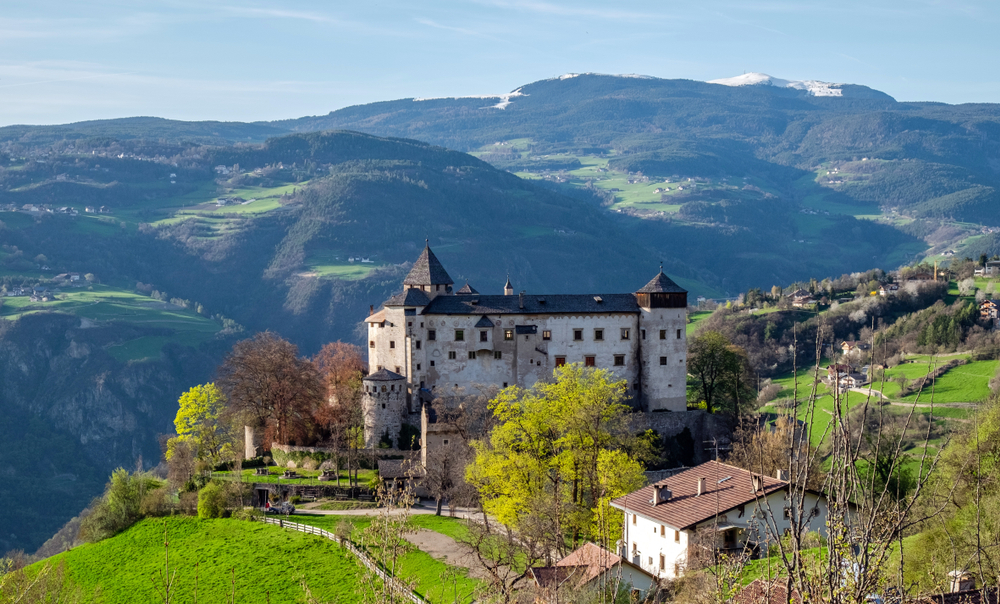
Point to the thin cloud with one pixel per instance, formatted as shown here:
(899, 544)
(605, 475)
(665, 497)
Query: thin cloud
(283, 14)
(460, 30)
(548, 8)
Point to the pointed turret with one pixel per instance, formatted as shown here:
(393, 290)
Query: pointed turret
(662, 292)
(428, 275)
(467, 289)
(508, 289)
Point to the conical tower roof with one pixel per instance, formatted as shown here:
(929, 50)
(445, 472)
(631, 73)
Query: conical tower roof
(467, 289)
(661, 284)
(427, 270)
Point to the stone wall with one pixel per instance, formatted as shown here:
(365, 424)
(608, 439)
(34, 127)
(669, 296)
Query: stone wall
(703, 426)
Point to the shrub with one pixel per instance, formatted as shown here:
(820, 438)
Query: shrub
(119, 507)
(211, 501)
(294, 499)
(188, 503)
(310, 464)
(156, 503)
(291, 465)
(249, 514)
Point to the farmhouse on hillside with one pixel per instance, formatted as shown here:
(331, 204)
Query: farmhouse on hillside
(590, 566)
(708, 509)
(430, 338)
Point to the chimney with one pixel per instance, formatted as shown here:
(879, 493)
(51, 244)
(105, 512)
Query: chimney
(782, 475)
(371, 310)
(660, 494)
(520, 300)
(959, 580)
(755, 483)
(701, 486)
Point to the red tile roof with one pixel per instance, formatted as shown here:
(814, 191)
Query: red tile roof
(727, 487)
(596, 559)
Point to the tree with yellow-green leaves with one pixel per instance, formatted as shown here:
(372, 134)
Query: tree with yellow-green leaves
(200, 424)
(559, 453)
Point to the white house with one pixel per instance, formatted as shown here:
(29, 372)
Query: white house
(591, 566)
(666, 521)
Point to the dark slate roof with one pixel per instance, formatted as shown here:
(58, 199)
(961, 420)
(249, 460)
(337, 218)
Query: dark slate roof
(396, 468)
(467, 289)
(427, 270)
(384, 375)
(510, 305)
(661, 284)
(484, 322)
(410, 297)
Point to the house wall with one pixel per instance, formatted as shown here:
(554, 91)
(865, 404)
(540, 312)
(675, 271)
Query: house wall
(628, 575)
(645, 544)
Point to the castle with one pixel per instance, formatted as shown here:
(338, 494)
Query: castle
(430, 337)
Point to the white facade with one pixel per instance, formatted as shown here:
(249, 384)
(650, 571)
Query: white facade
(442, 340)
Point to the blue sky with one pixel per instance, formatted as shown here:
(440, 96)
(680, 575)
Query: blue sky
(64, 61)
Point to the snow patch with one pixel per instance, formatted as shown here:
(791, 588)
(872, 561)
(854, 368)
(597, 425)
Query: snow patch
(611, 75)
(813, 87)
(505, 99)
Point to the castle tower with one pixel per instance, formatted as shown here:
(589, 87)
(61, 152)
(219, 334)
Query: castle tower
(428, 275)
(663, 355)
(383, 403)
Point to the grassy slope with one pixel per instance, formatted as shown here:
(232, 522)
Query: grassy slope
(415, 565)
(267, 559)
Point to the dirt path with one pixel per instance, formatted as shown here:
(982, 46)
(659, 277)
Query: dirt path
(451, 552)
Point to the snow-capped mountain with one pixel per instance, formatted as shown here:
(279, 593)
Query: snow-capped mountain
(813, 87)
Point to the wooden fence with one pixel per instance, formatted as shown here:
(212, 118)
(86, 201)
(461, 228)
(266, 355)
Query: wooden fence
(396, 585)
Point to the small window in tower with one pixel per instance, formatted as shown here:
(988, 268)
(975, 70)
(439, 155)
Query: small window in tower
(508, 334)
(397, 369)
(417, 344)
(497, 354)
(505, 384)
(643, 333)
(378, 368)
(452, 355)
(421, 323)
(560, 361)
(619, 360)
(383, 388)
(445, 441)
(371, 343)
(678, 334)
(392, 344)
(432, 363)
(472, 355)
(381, 324)
(598, 334)
(663, 360)
(418, 366)
(409, 323)
(432, 334)
(546, 335)
(383, 405)
(589, 361)
(437, 288)
(663, 334)
(484, 336)
(459, 335)
(635, 386)
(625, 333)
(578, 334)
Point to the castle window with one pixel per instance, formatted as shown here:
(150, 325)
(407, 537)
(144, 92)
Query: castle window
(508, 334)
(484, 336)
(497, 354)
(598, 334)
(663, 334)
(546, 335)
(459, 335)
(578, 334)
(383, 405)
(417, 344)
(472, 355)
(505, 384)
(432, 334)
(445, 441)
(619, 360)
(560, 361)
(437, 288)
(432, 363)
(589, 361)
(635, 386)
(409, 323)
(392, 344)
(452, 355)
(383, 388)
(643, 334)
(418, 366)
(663, 360)
(678, 334)
(625, 333)
(397, 369)
(381, 324)
(371, 343)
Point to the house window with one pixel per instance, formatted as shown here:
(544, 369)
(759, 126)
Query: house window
(472, 355)
(452, 355)
(432, 334)
(371, 343)
(546, 335)
(417, 344)
(663, 530)
(459, 335)
(619, 360)
(560, 361)
(392, 343)
(663, 360)
(663, 334)
(625, 333)
(650, 561)
(484, 336)
(508, 334)
(598, 334)
(678, 334)
(589, 361)
(677, 536)
(633, 522)
(663, 562)
(497, 354)
(578, 334)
